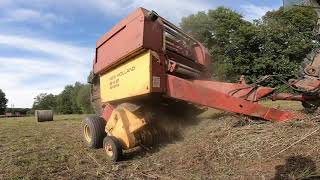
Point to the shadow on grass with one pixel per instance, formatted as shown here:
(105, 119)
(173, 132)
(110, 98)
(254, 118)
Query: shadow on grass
(297, 167)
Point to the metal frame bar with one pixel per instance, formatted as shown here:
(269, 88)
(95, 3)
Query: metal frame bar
(199, 94)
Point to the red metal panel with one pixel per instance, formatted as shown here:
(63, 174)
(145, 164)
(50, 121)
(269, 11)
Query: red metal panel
(188, 91)
(202, 56)
(158, 71)
(134, 33)
(236, 89)
(123, 42)
(120, 25)
(107, 111)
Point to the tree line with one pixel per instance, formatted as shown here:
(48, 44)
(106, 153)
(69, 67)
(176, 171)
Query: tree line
(3, 102)
(74, 99)
(274, 45)
(4, 109)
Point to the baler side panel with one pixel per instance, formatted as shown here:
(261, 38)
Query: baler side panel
(159, 75)
(133, 78)
(126, 40)
(137, 13)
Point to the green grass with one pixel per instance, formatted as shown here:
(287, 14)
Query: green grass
(29, 149)
(213, 147)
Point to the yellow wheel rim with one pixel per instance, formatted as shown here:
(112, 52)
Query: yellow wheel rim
(108, 149)
(87, 133)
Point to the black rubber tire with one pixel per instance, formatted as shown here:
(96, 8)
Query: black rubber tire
(309, 108)
(116, 148)
(93, 127)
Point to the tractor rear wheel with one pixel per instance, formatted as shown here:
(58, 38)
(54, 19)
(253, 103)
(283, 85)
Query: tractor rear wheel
(93, 130)
(113, 148)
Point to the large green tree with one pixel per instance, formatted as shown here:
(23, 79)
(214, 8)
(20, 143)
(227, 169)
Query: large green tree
(229, 38)
(64, 101)
(74, 99)
(45, 102)
(75, 105)
(83, 99)
(274, 45)
(3, 102)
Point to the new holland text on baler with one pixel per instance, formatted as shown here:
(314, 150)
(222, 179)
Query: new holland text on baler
(146, 63)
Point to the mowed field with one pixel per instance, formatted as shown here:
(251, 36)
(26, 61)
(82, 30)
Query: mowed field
(215, 145)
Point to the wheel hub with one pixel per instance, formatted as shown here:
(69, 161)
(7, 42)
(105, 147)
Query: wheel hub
(109, 150)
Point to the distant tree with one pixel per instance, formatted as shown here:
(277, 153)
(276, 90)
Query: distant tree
(3, 102)
(83, 99)
(286, 37)
(44, 102)
(76, 107)
(22, 111)
(64, 101)
(74, 99)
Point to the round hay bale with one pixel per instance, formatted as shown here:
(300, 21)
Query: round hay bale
(44, 115)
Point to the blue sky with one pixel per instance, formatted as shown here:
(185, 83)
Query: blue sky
(47, 44)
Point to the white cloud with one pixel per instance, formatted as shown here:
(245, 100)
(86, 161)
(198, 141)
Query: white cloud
(252, 11)
(173, 10)
(24, 98)
(30, 67)
(22, 15)
(55, 48)
(21, 11)
(66, 63)
(4, 3)
(16, 74)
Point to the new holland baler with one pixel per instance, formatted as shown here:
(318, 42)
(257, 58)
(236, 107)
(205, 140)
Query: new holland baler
(145, 64)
